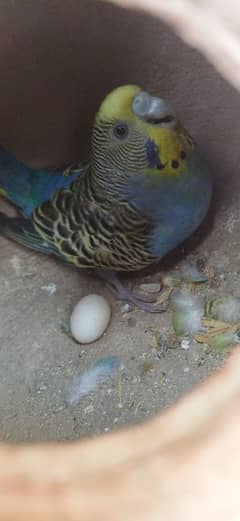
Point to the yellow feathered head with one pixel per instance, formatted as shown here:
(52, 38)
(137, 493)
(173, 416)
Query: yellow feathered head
(137, 132)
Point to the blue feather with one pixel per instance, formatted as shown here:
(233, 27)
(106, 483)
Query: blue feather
(27, 187)
(103, 370)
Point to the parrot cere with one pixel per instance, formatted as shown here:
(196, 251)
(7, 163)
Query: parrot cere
(145, 189)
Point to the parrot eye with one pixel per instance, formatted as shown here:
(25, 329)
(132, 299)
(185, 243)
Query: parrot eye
(120, 130)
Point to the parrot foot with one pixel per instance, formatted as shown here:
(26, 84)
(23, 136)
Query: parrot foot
(121, 292)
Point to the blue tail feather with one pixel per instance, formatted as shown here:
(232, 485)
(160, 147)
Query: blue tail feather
(27, 187)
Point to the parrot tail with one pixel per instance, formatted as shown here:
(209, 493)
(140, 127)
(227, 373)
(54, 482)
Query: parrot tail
(22, 231)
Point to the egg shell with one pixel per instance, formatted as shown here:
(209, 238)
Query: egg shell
(90, 319)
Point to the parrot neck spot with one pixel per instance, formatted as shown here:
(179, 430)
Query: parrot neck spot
(160, 166)
(175, 163)
(153, 155)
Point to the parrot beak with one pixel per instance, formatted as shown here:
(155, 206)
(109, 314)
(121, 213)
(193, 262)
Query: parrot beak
(154, 110)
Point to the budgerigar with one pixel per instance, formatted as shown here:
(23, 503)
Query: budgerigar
(145, 190)
(27, 187)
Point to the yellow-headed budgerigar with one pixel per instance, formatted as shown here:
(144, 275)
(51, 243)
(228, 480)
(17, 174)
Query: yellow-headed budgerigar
(145, 189)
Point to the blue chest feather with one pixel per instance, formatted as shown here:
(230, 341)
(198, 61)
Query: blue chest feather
(175, 205)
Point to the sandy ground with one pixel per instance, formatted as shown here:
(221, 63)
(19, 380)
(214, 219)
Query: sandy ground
(38, 360)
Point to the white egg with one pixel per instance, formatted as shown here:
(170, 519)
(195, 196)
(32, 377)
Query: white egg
(90, 319)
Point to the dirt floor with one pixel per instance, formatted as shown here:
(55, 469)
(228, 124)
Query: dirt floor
(38, 360)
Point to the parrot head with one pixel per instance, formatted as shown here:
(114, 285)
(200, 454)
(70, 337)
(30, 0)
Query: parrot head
(135, 132)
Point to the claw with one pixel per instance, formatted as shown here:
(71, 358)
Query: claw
(144, 302)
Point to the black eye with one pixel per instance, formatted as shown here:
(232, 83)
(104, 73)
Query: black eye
(120, 130)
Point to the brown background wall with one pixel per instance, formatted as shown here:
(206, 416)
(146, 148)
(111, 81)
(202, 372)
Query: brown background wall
(58, 59)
